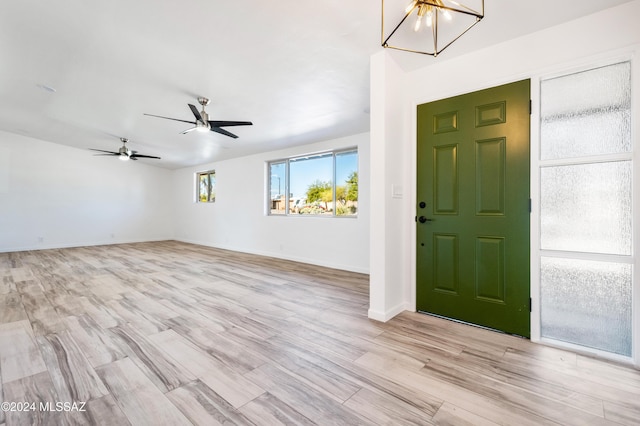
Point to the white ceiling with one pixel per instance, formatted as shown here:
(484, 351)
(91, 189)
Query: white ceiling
(299, 69)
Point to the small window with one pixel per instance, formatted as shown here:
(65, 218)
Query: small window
(324, 184)
(206, 187)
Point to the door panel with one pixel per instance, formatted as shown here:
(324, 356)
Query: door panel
(446, 262)
(490, 167)
(446, 179)
(473, 236)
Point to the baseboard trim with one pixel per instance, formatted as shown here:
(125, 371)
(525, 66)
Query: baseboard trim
(278, 256)
(80, 244)
(389, 313)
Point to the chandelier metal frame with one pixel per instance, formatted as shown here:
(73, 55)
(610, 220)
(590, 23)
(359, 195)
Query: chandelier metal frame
(439, 6)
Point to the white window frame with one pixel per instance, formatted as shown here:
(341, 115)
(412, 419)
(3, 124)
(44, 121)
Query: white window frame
(287, 193)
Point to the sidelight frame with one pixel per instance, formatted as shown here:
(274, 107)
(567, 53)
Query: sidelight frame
(537, 164)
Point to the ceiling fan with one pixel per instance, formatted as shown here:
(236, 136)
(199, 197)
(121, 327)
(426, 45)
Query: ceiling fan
(124, 153)
(203, 124)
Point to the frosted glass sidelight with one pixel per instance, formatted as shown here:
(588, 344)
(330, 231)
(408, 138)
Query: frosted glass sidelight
(586, 135)
(587, 303)
(586, 113)
(586, 208)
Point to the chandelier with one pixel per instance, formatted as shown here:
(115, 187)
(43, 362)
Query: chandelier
(428, 26)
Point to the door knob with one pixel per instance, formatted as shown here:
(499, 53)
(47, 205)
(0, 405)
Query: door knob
(423, 219)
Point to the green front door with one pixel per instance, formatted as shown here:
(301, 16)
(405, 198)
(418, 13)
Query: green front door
(473, 208)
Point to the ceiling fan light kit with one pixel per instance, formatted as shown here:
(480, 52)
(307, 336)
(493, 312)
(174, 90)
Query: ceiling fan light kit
(427, 26)
(202, 122)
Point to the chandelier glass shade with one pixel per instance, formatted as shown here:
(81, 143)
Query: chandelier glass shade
(427, 26)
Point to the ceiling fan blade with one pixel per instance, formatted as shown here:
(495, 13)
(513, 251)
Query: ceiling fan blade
(110, 155)
(195, 112)
(169, 118)
(136, 156)
(223, 132)
(188, 130)
(102, 150)
(218, 123)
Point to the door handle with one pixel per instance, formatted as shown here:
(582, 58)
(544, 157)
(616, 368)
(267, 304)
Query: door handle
(423, 219)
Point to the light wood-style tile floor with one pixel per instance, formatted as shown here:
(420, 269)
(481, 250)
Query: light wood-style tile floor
(170, 333)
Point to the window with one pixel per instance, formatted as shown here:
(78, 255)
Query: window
(277, 184)
(324, 184)
(586, 217)
(206, 187)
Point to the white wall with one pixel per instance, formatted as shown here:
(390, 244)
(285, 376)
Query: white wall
(56, 196)
(238, 220)
(593, 39)
(389, 260)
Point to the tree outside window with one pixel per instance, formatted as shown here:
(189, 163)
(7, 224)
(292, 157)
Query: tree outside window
(347, 183)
